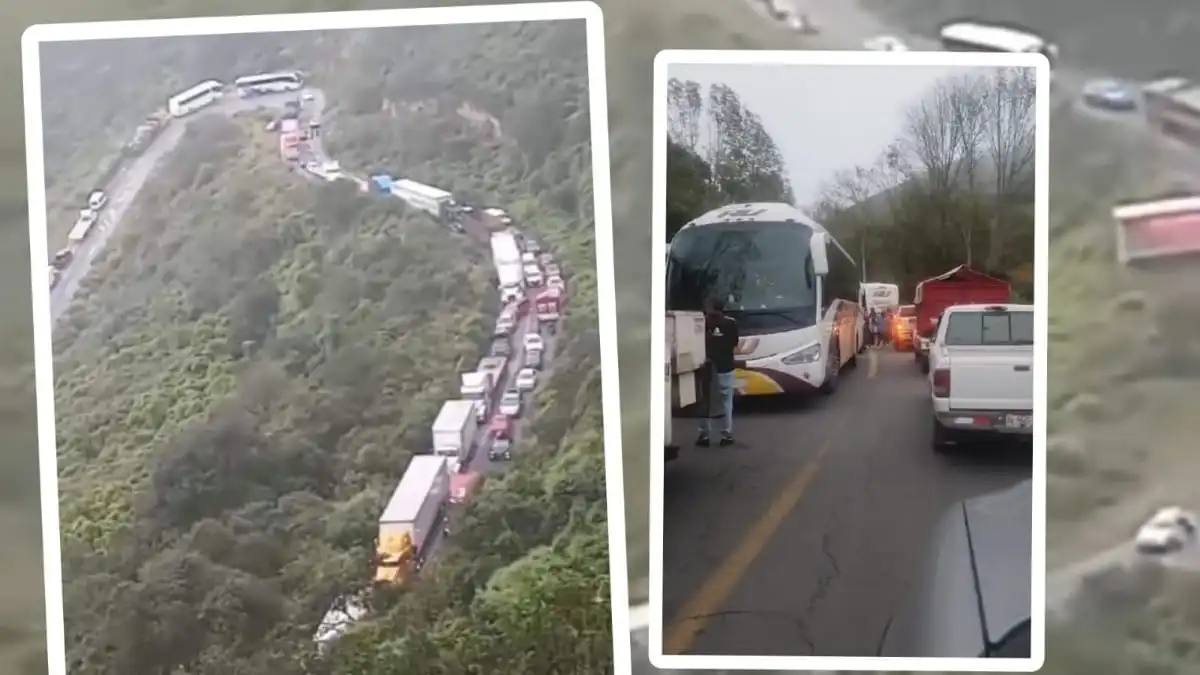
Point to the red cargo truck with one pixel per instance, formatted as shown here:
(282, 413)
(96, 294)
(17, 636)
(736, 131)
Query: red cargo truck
(960, 286)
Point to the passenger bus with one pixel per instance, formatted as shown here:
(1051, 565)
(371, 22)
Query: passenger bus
(791, 287)
(977, 37)
(199, 96)
(879, 297)
(268, 83)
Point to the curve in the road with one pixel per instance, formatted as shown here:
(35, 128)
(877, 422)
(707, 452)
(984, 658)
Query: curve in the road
(131, 177)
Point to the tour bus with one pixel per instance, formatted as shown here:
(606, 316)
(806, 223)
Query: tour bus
(978, 37)
(879, 297)
(199, 96)
(787, 282)
(268, 83)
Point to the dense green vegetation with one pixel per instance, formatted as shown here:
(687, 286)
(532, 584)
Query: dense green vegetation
(258, 357)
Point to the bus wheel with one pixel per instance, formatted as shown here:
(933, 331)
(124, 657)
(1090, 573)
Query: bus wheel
(832, 366)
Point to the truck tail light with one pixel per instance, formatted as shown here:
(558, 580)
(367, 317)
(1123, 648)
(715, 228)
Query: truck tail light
(941, 383)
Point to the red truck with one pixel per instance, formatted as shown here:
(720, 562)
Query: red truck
(960, 286)
(548, 306)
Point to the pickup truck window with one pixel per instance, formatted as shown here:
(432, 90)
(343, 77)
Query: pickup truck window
(999, 328)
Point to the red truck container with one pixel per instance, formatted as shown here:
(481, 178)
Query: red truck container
(960, 286)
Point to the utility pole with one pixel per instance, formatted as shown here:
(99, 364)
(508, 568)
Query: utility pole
(862, 256)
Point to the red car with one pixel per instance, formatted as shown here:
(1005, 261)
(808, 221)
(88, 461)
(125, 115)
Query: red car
(502, 426)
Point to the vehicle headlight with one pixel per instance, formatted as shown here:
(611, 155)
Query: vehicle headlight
(809, 354)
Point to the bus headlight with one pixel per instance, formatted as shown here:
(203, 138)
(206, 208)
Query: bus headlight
(809, 354)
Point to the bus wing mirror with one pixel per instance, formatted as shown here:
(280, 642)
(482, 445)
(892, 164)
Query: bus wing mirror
(816, 249)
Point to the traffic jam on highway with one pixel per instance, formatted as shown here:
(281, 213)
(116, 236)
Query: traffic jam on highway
(941, 383)
(471, 434)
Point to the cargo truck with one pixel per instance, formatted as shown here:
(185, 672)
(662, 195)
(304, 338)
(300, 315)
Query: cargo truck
(83, 226)
(960, 286)
(434, 201)
(548, 307)
(685, 362)
(412, 517)
(510, 273)
(1158, 232)
(454, 430)
(494, 367)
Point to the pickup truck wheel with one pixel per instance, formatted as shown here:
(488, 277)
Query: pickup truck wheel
(830, 384)
(939, 439)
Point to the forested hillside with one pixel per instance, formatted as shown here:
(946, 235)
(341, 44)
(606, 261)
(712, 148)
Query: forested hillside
(255, 359)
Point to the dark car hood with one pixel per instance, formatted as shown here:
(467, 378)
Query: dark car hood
(974, 586)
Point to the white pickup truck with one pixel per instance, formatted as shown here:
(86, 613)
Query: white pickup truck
(981, 373)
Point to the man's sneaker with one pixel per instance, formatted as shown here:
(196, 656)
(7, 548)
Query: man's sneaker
(703, 441)
(726, 439)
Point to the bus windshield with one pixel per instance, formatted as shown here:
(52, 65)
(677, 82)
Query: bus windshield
(762, 270)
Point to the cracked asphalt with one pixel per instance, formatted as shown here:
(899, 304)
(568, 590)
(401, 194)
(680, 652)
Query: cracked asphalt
(802, 538)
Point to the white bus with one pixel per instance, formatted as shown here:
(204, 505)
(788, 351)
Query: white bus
(199, 96)
(268, 83)
(879, 297)
(790, 286)
(978, 37)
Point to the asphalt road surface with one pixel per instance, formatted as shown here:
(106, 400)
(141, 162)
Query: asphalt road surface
(801, 539)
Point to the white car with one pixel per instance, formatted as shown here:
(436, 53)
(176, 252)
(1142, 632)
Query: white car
(510, 403)
(886, 43)
(526, 379)
(97, 200)
(1168, 530)
(555, 282)
(501, 450)
(306, 96)
(529, 258)
(534, 342)
(87, 216)
(533, 275)
(481, 412)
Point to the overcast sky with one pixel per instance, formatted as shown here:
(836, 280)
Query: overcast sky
(824, 118)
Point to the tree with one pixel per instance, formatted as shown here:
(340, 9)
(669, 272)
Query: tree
(956, 187)
(718, 153)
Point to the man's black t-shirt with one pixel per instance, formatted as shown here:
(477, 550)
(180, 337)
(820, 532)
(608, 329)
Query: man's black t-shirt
(721, 339)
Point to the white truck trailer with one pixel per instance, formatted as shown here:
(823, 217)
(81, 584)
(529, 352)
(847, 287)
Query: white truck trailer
(685, 357)
(454, 429)
(510, 272)
(434, 201)
(494, 367)
(417, 505)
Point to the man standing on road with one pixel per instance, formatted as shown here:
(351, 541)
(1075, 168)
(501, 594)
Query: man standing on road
(720, 343)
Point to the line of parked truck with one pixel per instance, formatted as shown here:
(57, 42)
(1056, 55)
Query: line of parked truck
(484, 417)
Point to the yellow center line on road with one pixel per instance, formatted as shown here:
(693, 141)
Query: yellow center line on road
(710, 599)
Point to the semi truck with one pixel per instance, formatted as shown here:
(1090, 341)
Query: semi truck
(493, 367)
(289, 146)
(434, 201)
(476, 386)
(1158, 232)
(411, 518)
(685, 362)
(454, 430)
(510, 273)
(83, 226)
